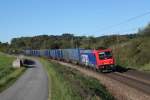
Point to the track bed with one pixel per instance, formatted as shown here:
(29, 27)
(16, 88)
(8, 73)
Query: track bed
(124, 86)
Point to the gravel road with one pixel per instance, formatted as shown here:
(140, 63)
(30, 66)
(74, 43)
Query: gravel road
(33, 85)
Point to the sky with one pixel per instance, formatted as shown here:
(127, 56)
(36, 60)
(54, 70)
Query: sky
(80, 17)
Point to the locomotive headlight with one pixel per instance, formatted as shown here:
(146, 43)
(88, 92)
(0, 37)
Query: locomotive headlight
(111, 62)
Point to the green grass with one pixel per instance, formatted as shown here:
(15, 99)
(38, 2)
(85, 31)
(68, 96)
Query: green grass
(146, 67)
(134, 54)
(8, 75)
(60, 90)
(69, 84)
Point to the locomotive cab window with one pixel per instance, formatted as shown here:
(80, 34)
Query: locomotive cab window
(105, 55)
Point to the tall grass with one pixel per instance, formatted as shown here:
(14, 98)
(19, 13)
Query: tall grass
(59, 89)
(70, 84)
(8, 75)
(134, 54)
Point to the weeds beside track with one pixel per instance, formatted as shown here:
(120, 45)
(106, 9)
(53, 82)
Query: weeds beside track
(118, 85)
(70, 84)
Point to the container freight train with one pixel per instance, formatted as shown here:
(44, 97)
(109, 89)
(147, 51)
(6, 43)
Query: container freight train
(96, 59)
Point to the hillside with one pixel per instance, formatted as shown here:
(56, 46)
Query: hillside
(135, 52)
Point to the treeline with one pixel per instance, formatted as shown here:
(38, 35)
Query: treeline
(68, 41)
(4, 47)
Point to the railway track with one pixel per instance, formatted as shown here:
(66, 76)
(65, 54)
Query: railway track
(136, 86)
(140, 85)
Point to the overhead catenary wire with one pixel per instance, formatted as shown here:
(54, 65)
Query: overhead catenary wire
(125, 21)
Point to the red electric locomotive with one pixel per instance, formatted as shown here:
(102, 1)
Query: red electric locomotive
(98, 59)
(104, 59)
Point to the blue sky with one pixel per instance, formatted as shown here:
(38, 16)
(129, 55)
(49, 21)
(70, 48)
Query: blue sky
(80, 17)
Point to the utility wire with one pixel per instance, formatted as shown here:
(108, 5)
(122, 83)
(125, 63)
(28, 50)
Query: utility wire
(126, 30)
(126, 21)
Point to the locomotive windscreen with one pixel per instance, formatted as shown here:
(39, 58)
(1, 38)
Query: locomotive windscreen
(105, 55)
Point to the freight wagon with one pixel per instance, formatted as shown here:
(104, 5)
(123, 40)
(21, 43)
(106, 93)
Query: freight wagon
(47, 53)
(71, 55)
(96, 59)
(58, 54)
(35, 52)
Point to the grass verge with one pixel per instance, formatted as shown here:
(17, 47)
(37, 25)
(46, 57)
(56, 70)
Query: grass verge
(8, 75)
(146, 68)
(69, 84)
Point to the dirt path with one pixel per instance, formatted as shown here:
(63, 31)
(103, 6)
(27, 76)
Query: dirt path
(120, 90)
(33, 85)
